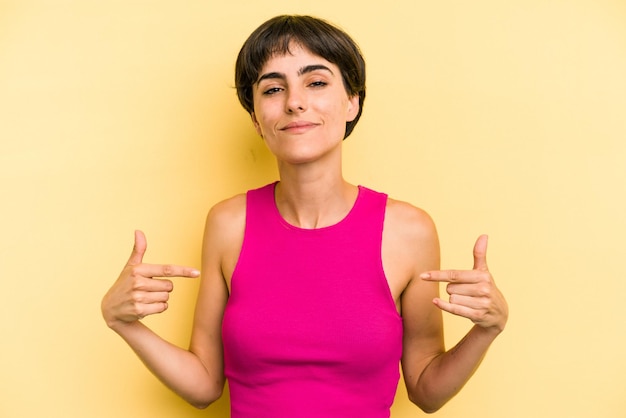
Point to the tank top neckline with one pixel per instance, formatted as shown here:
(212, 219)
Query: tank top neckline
(337, 224)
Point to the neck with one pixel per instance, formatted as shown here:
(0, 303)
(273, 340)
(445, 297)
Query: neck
(310, 200)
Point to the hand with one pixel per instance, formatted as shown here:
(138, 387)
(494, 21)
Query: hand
(473, 293)
(137, 293)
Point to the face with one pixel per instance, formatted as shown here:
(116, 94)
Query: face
(301, 106)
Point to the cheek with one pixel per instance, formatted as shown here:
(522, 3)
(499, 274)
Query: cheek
(263, 125)
(259, 120)
(339, 106)
(338, 112)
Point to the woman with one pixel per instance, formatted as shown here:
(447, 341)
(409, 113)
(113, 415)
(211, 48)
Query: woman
(313, 289)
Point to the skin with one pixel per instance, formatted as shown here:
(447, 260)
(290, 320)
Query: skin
(300, 110)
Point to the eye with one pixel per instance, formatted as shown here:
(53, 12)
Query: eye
(271, 91)
(318, 84)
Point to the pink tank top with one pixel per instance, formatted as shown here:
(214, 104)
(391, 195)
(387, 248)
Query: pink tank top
(310, 328)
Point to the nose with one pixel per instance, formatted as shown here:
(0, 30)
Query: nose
(296, 101)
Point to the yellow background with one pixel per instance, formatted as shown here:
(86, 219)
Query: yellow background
(498, 117)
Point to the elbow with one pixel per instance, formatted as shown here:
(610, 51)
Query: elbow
(203, 402)
(200, 403)
(425, 403)
(428, 408)
(206, 398)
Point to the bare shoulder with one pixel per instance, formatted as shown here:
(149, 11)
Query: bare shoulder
(224, 232)
(227, 219)
(409, 224)
(227, 211)
(410, 245)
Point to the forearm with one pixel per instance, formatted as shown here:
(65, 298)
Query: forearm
(447, 373)
(180, 370)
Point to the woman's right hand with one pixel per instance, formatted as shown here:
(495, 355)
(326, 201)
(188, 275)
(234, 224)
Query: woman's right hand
(138, 291)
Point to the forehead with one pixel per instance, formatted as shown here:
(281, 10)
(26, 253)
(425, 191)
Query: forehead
(294, 60)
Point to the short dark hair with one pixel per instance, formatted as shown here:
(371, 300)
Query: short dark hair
(318, 36)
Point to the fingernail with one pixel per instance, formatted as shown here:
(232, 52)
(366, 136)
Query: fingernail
(195, 272)
(424, 276)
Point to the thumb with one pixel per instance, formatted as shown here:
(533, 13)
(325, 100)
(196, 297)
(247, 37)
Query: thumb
(136, 256)
(480, 253)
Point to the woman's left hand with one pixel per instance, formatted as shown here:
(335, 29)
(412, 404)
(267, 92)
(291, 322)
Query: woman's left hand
(473, 293)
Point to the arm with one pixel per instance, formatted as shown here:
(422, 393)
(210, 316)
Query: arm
(432, 375)
(139, 292)
(223, 239)
(195, 374)
(473, 295)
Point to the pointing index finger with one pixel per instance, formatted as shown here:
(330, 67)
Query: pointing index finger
(450, 276)
(169, 270)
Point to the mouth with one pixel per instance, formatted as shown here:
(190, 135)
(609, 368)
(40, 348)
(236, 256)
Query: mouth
(298, 126)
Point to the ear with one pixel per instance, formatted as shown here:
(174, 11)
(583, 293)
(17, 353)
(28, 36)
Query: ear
(353, 108)
(257, 125)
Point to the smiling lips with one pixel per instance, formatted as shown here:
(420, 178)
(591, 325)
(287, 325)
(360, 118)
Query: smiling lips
(298, 127)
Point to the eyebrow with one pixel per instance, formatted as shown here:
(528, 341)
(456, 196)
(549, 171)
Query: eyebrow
(301, 71)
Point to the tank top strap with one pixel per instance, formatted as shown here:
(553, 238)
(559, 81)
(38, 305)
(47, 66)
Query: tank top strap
(369, 209)
(260, 206)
